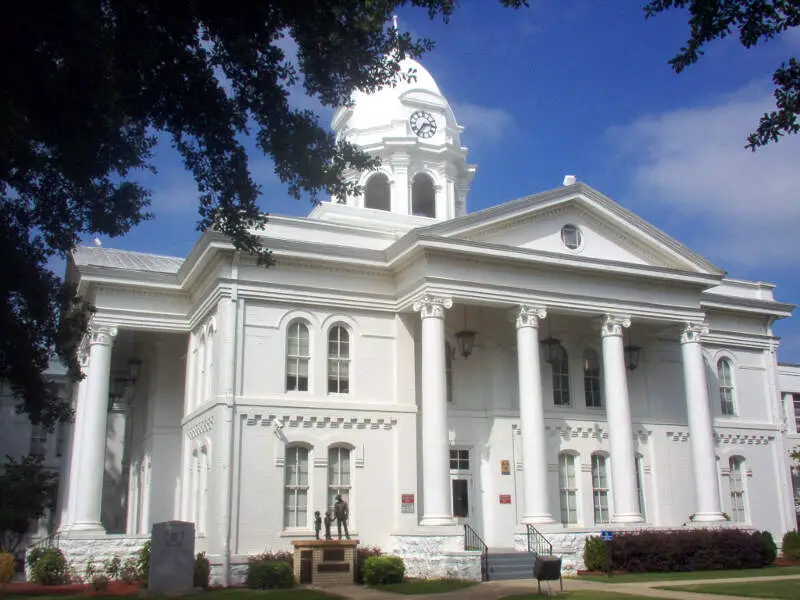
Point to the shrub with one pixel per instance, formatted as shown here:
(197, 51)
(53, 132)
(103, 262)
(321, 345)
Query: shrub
(595, 554)
(89, 573)
(380, 570)
(277, 556)
(791, 545)
(362, 555)
(770, 549)
(694, 550)
(113, 567)
(143, 563)
(99, 583)
(129, 571)
(202, 571)
(8, 564)
(269, 574)
(47, 566)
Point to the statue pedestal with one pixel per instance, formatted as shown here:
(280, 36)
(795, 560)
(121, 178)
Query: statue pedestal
(325, 562)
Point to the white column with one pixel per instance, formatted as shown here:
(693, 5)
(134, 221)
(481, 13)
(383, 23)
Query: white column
(133, 498)
(400, 201)
(71, 479)
(701, 432)
(437, 508)
(90, 431)
(146, 493)
(531, 416)
(620, 428)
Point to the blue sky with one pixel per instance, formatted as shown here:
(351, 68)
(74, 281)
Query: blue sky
(584, 88)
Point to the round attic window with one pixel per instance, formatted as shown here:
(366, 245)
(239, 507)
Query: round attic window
(572, 237)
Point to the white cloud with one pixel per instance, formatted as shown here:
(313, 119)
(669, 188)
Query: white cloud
(742, 208)
(482, 123)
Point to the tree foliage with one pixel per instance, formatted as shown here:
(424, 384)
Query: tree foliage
(755, 21)
(89, 84)
(27, 491)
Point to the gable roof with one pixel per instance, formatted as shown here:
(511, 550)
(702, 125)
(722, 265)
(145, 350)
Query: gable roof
(581, 193)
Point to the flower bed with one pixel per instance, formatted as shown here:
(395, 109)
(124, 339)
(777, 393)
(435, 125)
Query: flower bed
(115, 588)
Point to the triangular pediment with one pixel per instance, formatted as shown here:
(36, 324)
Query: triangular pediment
(607, 231)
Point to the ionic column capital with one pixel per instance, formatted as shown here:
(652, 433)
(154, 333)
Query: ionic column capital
(694, 332)
(612, 325)
(528, 316)
(102, 336)
(432, 307)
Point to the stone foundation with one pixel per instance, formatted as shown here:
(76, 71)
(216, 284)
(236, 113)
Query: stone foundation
(437, 555)
(79, 549)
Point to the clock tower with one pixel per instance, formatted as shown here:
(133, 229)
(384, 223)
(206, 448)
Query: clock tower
(412, 129)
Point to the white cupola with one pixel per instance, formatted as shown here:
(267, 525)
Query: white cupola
(412, 129)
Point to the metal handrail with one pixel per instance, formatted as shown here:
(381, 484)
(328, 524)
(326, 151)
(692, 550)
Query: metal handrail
(472, 541)
(537, 543)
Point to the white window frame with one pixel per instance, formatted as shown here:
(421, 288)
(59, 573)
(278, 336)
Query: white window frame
(338, 360)
(294, 487)
(600, 489)
(560, 379)
(796, 409)
(568, 488)
(294, 361)
(727, 396)
(335, 483)
(737, 475)
(592, 382)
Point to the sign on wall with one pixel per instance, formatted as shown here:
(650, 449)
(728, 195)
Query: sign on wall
(406, 503)
(505, 467)
(505, 498)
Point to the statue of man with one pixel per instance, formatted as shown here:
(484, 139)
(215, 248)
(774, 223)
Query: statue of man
(342, 513)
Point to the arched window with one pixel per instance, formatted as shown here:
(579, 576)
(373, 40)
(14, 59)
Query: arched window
(208, 391)
(296, 487)
(297, 357)
(376, 192)
(338, 475)
(448, 370)
(338, 360)
(640, 485)
(600, 488)
(592, 387)
(423, 196)
(567, 488)
(725, 378)
(200, 388)
(736, 464)
(560, 366)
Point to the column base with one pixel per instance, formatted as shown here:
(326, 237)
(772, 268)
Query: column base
(434, 520)
(709, 517)
(627, 518)
(541, 519)
(85, 527)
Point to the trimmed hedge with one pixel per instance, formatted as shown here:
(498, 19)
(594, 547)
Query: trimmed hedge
(269, 574)
(791, 545)
(48, 566)
(7, 566)
(380, 570)
(770, 549)
(363, 553)
(595, 556)
(692, 550)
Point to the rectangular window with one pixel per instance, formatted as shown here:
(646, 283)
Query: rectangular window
(338, 475)
(591, 379)
(737, 491)
(61, 434)
(567, 489)
(600, 489)
(459, 460)
(296, 491)
(640, 486)
(796, 403)
(38, 440)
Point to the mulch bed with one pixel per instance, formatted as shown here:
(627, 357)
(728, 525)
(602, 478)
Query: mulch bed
(115, 588)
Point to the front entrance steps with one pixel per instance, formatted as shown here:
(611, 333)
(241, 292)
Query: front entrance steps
(506, 563)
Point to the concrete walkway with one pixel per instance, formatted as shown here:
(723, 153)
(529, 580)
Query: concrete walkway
(494, 590)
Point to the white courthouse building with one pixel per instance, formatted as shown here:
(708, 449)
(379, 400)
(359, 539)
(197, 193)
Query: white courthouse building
(553, 360)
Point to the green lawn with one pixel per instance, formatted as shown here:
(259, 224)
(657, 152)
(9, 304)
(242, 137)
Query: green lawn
(229, 594)
(788, 588)
(424, 586)
(684, 576)
(581, 595)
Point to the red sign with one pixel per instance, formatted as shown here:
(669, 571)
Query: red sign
(407, 498)
(505, 498)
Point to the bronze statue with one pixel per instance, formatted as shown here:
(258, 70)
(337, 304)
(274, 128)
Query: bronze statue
(317, 524)
(328, 521)
(342, 513)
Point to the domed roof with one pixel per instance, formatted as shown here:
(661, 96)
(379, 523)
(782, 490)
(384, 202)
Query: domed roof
(385, 105)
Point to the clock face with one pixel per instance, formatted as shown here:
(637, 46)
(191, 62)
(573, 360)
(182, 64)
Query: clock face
(423, 124)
